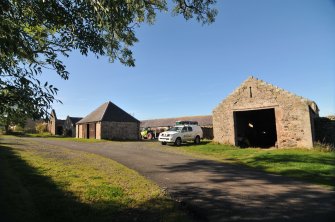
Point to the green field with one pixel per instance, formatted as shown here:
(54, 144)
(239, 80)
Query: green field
(40, 183)
(313, 165)
(55, 137)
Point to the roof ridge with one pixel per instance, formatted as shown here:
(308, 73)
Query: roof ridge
(177, 117)
(262, 82)
(103, 115)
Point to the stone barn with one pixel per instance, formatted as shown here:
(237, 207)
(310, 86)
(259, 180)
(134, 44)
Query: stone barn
(258, 114)
(69, 127)
(55, 126)
(108, 121)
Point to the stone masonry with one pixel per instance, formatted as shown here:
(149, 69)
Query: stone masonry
(294, 115)
(120, 130)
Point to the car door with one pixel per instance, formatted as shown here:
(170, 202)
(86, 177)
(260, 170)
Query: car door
(189, 133)
(184, 133)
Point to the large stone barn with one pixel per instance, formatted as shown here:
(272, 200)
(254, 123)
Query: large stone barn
(108, 121)
(258, 114)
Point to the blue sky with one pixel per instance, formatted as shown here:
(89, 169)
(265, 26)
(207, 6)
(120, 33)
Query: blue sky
(184, 68)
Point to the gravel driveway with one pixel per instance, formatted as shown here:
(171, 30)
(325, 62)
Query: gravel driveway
(214, 191)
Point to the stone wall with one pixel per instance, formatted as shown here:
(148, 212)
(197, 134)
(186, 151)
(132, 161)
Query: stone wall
(120, 130)
(98, 130)
(68, 128)
(80, 133)
(52, 125)
(325, 130)
(292, 113)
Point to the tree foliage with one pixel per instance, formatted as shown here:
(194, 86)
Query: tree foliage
(35, 34)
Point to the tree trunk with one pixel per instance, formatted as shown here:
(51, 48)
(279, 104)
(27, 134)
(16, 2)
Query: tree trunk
(6, 129)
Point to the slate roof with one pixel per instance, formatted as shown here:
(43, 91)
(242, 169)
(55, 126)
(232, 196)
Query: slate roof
(60, 122)
(74, 120)
(108, 112)
(202, 121)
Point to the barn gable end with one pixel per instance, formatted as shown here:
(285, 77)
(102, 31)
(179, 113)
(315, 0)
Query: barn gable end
(260, 114)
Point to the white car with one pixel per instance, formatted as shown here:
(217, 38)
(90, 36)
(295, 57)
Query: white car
(181, 133)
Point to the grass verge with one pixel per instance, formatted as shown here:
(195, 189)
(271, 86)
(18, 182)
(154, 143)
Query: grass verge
(41, 183)
(314, 165)
(53, 137)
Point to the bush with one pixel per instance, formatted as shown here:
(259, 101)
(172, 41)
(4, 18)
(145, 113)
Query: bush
(18, 128)
(41, 127)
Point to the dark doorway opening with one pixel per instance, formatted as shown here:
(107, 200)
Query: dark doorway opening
(255, 128)
(59, 130)
(87, 131)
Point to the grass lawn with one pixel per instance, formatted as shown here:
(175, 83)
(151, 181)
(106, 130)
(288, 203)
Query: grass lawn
(55, 137)
(315, 166)
(82, 140)
(40, 183)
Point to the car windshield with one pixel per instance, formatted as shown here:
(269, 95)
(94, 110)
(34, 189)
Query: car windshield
(176, 128)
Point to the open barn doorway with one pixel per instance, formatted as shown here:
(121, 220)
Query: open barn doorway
(255, 128)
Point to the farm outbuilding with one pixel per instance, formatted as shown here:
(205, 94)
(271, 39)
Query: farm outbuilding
(258, 114)
(108, 121)
(69, 128)
(55, 126)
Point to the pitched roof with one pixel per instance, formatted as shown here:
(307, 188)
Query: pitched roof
(60, 122)
(310, 103)
(108, 112)
(74, 120)
(202, 121)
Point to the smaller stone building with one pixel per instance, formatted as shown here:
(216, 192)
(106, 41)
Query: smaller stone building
(69, 128)
(258, 114)
(108, 121)
(55, 126)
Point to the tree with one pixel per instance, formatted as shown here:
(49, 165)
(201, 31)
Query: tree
(35, 33)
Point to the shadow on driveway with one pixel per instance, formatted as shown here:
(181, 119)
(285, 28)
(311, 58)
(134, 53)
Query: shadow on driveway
(237, 193)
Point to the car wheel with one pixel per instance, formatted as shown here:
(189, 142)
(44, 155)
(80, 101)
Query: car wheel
(163, 143)
(197, 140)
(178, 141)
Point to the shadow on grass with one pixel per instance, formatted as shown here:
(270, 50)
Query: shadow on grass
(26, 195)
(317, 169)
(33, 135)
(187, 144)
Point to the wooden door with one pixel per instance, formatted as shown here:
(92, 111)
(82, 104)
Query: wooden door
(92, 130)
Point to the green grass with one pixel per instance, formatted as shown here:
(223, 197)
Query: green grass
(47, 135)
(43, 135)
(41, 183)
(314, 165)
(82, 140)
